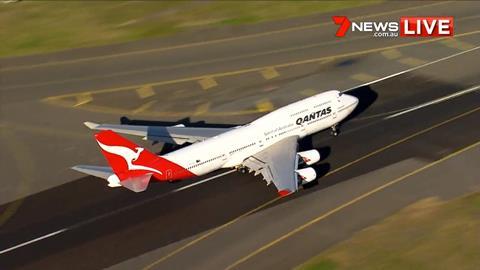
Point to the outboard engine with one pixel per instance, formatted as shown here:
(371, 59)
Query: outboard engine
(309, 157)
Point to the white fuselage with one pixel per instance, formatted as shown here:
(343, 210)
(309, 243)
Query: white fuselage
(231, 148)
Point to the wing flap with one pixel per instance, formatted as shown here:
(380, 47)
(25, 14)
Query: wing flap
(277, 164)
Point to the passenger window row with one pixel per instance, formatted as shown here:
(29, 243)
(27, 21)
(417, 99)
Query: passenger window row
(321, 104)
(206, 161)
(297, 113)
(241, 148)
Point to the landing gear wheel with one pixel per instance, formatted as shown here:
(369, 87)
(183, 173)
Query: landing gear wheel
(242, 170)
(334, 131)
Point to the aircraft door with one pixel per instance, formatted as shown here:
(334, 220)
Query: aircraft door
(303, 129)
(335, 105)
(169, 174)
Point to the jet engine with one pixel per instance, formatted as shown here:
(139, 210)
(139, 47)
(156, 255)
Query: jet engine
(306, 175)
(309, 157)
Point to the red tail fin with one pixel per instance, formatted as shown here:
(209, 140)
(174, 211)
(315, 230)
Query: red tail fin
(126, 159)
(130, 161)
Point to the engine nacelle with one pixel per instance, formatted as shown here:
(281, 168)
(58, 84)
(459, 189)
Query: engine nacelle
(306, 174)
(309, 157)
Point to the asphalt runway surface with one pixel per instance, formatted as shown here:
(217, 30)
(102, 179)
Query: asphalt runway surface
(234, 220)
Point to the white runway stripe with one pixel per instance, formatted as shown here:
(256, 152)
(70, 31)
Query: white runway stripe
(435, 101)
(33, 241)
(113, 213)
(411, 69)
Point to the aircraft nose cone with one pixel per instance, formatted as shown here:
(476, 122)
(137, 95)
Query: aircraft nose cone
(351, 101)
(355, 101)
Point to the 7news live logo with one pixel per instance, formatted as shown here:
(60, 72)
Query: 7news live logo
(408, 26)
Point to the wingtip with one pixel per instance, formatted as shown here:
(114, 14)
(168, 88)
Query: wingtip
(91, 125)
(284, 192)
(77, 168)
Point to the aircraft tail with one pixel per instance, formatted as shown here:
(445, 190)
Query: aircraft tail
(133, 165)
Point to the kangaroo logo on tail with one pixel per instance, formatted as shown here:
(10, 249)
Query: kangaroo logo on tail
(128, 155)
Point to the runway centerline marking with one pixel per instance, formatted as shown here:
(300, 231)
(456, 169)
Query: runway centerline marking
(412, 69)
(209, 42)
(435, 101)
(32, 241)
(349, 203)
(191, 243)
(116, 211)
(398, 112)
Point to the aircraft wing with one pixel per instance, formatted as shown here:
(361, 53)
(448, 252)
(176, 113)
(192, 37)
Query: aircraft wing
(173, 134)
(277, 164)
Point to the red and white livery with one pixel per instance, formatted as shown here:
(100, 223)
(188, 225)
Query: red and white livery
(266, 146)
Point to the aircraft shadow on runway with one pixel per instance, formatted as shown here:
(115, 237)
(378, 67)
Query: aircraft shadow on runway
(366, 98)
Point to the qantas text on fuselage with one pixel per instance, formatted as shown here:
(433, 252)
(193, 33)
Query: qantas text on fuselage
(266, 146)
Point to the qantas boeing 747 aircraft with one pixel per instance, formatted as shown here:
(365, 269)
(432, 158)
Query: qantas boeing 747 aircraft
(267, 146)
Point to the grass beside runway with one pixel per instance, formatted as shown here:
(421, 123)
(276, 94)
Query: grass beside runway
(430, 234)
(31, 27)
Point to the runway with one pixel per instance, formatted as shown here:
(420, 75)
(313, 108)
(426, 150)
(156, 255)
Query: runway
(235, 220)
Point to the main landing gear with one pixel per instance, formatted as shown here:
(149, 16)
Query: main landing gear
(242, 169)
(334, 130)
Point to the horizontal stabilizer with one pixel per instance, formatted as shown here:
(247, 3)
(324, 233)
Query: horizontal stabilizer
(100, 172)
(136, 183)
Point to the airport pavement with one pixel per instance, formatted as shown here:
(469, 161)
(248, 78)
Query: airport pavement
(233, 83)
(230, 83)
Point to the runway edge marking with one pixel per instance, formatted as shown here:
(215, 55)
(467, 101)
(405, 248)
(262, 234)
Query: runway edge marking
(149, 266)
(345, 205)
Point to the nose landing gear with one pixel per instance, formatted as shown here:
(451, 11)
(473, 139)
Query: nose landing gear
(334, 130)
